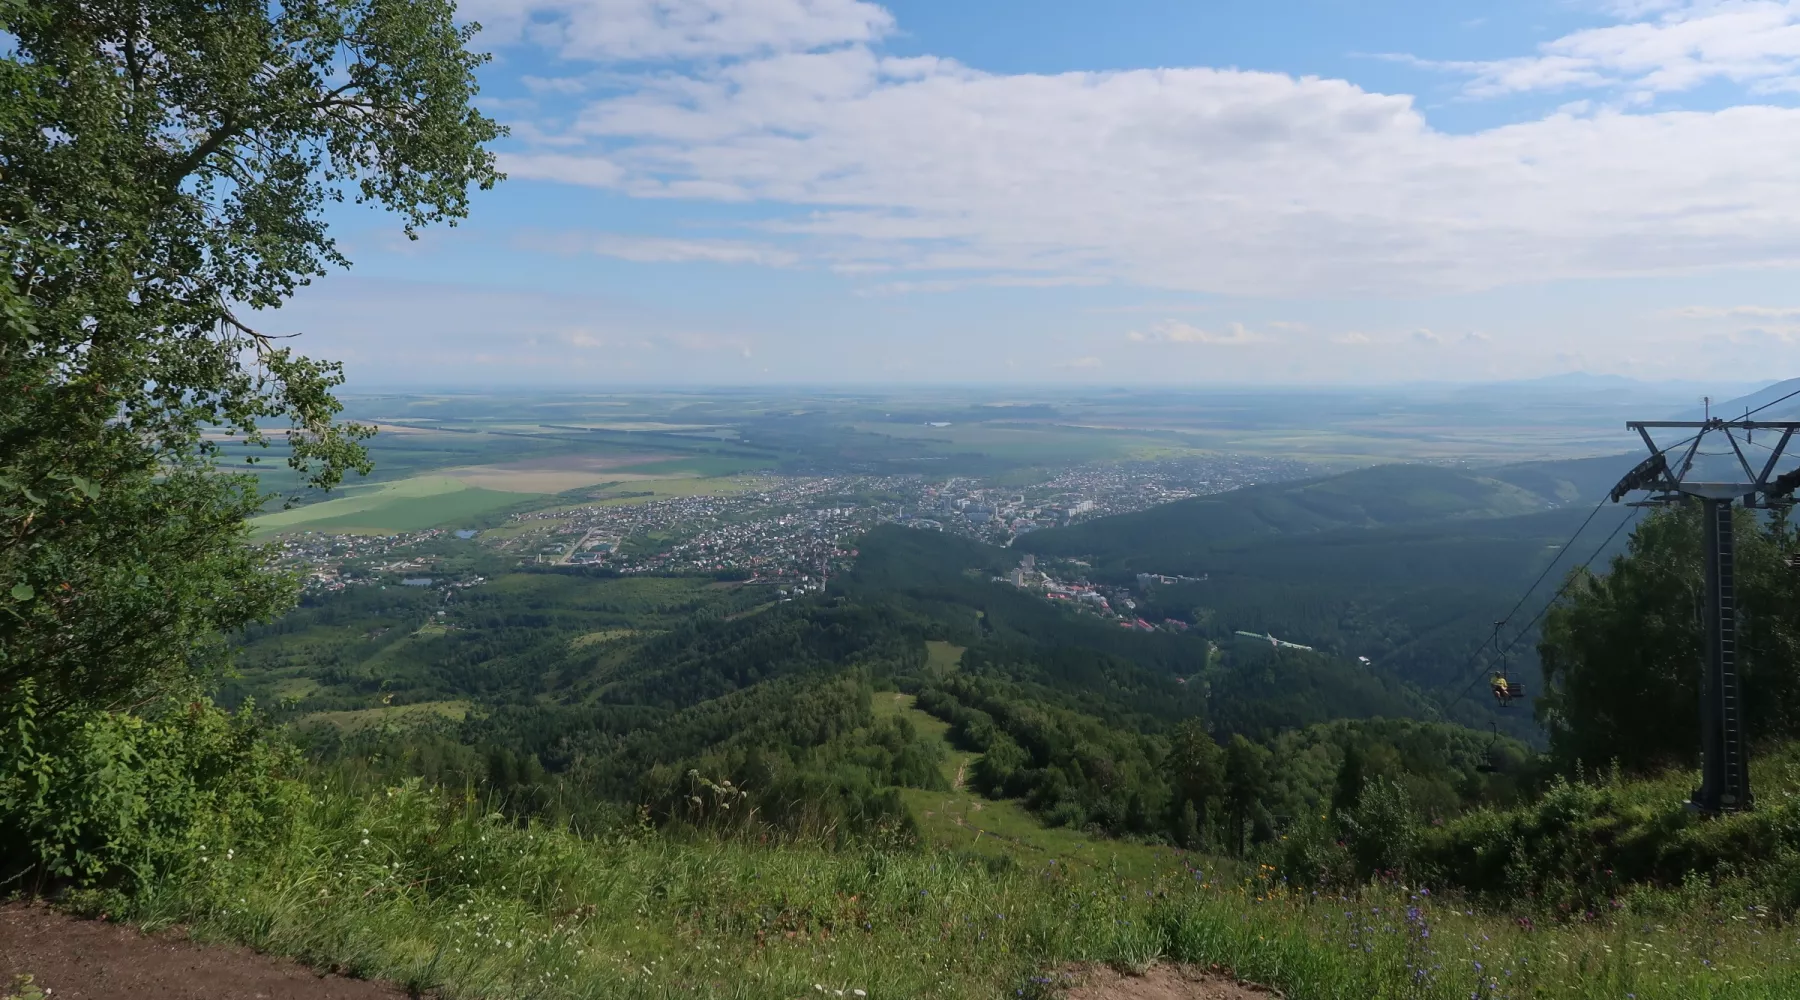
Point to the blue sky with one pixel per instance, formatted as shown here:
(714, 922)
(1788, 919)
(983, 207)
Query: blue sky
(1138, 191)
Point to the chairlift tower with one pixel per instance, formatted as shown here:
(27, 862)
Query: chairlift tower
(1725, 766)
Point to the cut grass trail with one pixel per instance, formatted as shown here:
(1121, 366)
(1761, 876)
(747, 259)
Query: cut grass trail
(401, 884)
(964, 821)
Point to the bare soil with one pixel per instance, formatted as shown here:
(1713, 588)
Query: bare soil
(1161, 982)
(96, 960)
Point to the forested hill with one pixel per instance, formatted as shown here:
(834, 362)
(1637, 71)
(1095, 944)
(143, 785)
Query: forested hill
(605, 692)
(1178, 537)
(1407, 565)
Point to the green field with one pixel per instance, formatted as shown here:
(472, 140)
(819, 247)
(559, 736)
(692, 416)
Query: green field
(698, 465)
(960, 820)
(407, 505)
(363, 718)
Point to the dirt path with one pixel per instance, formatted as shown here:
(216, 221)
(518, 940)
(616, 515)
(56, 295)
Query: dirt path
(1160, 982)
(93, 960)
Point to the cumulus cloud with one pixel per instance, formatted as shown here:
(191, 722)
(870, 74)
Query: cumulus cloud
(1199, 179)
(1662, 46)
(1218, 181)
(663, 29)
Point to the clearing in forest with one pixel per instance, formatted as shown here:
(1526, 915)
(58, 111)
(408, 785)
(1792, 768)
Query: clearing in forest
(964, 820)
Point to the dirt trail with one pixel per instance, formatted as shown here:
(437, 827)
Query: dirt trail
(1161, 982)
(94, 960)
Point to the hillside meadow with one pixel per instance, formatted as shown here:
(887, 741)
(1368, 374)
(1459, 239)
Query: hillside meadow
(437, 893)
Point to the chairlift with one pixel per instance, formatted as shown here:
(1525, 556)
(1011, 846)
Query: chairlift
(1505, 689)
(1489, 754)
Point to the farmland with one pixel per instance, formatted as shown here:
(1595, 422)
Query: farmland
(405, 505)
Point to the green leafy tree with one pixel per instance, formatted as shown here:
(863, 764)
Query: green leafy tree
(1197, 769)
(1246, 788)
(165, 171)
(1622, 652)
(1352, 775)
(166, 167)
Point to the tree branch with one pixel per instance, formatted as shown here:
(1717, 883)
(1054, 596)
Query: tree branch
(229, 126)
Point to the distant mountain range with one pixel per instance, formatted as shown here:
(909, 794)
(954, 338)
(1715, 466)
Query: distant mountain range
(1787, 409)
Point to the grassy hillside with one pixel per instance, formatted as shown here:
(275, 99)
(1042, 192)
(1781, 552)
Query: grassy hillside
(444, 897)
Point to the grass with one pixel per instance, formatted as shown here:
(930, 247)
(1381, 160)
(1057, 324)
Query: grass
(962, 820)
(942, 658)
(408, 505)
(362, 718)
(700, 465)
(402, 883)
(604, 635)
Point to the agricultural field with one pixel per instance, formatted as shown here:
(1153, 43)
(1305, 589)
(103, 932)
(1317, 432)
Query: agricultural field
(388, 508)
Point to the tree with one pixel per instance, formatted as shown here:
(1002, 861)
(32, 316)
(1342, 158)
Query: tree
(1246, 785)
(1622, 652)
(1351, 777)
(165, 168)
(1197, 770)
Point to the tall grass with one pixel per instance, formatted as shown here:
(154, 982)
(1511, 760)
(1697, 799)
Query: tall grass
(404, 884)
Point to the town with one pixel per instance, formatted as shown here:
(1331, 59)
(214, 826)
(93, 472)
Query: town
(794, 533)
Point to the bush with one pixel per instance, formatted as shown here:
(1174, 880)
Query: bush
(91, 797)
(1587, 846)
(1381, 831)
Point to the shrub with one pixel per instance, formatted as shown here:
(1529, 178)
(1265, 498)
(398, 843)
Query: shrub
(1583, 847)
(96, 797)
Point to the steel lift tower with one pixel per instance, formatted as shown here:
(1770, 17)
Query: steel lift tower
(1725, 767)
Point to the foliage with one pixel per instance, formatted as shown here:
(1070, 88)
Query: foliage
(1620, 652)
(1197, 771)
(448, 899)
(164, 164)
(1589, 845)
(96, 796)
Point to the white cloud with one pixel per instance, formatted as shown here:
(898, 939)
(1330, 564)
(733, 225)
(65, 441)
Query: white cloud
(938, 177)
(1197, 179)
(1730, 312)
(659, 249)
(985, 281)
(1767, 335)
(1662, 46)
(1174, 331)
(662, 29)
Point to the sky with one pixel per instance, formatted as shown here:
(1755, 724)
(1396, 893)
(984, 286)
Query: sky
(1136, 191)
